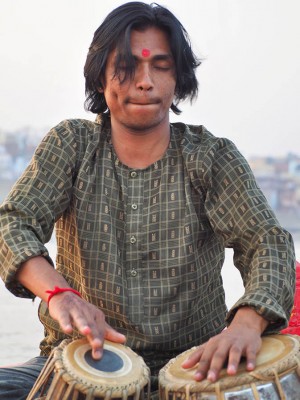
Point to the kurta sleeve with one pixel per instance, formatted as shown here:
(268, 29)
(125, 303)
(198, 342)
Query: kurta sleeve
(36, 201)
(242, 218)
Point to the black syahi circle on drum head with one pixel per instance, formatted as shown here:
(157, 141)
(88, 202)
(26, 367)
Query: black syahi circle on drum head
(109, 362)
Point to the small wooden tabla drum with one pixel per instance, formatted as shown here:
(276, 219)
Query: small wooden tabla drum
(120, 374)
(276, 376)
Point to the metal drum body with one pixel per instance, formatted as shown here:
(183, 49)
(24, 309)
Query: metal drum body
(120, 374)
(276, 376)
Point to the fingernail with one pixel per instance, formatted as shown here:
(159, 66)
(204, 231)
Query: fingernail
(184, 363)
(97, 354)
(250, 366)
(86, 330)
(198, 376)
(211, 376)
(231, 369)
(68, 328)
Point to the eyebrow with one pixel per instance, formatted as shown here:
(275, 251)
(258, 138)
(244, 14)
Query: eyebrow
(156, 57)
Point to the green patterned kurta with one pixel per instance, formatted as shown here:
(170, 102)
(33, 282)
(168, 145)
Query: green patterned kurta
(147, 246)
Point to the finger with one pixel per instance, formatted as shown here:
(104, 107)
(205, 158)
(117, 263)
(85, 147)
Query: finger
(86, 330)
(65, 322)
(202, 369)
(193, 358)
(83, 324)
(97, 347)
(95, 336)
(251, 355)
(234, 358)
(204, 363)
(202, 357)
(216, 364)
(113, 335)
(214, 357)
(97, 341)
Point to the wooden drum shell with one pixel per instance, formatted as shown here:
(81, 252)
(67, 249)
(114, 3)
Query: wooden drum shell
(276, 376)
(76, 379)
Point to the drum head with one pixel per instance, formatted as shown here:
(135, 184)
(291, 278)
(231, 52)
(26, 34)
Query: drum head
(278, 352)
(119, 370)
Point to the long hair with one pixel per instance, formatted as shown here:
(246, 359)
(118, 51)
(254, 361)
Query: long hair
(115, 32)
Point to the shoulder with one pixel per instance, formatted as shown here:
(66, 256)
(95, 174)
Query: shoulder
(75, 127)
(207, 156)
(77, 133)
(197, 139)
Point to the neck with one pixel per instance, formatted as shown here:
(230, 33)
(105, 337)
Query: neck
(139, 149)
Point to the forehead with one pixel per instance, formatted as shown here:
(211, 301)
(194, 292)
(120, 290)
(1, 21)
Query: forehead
(155, 40)
(151, 40)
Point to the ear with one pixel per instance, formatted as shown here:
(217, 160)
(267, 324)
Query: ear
(100, 89)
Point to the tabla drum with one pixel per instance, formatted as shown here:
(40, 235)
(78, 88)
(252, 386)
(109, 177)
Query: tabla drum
(276, 376)
(120, 374)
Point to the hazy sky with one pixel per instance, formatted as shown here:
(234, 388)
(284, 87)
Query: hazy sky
(249, 79)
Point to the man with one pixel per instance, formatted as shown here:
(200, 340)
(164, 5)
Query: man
(143, 211)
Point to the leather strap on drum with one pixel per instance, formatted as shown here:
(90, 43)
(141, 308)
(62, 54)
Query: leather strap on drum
(255, 391)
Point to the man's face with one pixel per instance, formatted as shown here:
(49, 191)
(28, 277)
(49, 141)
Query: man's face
(143, 102)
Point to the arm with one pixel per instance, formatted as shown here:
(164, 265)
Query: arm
(242, 219)
(37, 275)
(263, 252)
(35, 203)
(27, 217)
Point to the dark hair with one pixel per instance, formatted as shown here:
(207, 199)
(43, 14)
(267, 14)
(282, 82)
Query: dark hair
(114, 33)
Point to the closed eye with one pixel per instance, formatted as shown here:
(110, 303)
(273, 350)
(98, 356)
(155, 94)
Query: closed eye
(163, 67)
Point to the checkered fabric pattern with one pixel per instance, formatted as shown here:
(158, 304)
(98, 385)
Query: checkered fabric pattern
(147, 246)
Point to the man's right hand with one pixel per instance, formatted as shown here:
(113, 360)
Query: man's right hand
(71, 312)
(68, 309)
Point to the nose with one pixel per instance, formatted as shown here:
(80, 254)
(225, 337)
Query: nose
(143, 78)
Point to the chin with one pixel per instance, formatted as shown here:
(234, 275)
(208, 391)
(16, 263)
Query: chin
(143, 125)
(144, 122)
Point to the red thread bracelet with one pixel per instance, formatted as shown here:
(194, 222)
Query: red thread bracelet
(58, 290)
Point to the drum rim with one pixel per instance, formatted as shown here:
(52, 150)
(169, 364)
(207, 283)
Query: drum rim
(287, 364)
(140, 378)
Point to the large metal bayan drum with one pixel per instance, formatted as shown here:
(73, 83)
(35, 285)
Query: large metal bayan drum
(276, 376)
(120, 374)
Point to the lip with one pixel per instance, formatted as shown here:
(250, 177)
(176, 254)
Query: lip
(143, 104)
(140, 102)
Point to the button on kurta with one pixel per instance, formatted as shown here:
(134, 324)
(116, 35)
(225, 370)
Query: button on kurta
(133, 174)
(133, 272)
(134, 206)
(133, 239)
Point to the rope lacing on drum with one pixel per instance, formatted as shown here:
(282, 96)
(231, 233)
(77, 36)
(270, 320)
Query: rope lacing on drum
(137, 392)
(149, 388)
(276, 377)
(43, 378)
(124, 394)
(60, 390)
(70, 389)
(107, 395)
(219, 394)
(90, 394)
(278, 383)
(187, 392)
(255, 391)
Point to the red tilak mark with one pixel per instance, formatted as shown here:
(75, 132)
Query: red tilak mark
(145, 52)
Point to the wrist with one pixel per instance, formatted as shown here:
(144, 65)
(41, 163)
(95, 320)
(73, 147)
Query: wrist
(248, 317)
(57, 290)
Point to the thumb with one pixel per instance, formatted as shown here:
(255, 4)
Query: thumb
(113, 335)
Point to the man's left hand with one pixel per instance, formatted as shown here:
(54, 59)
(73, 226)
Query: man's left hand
(241, 338)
